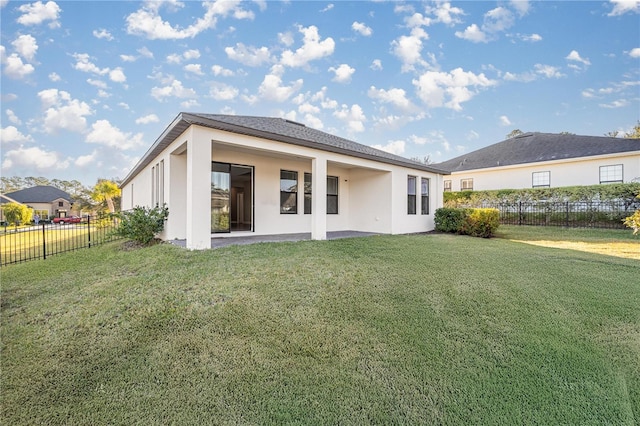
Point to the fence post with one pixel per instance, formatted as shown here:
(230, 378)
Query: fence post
(89, 229)
(519, 212)
(44, 242)
(567, 214)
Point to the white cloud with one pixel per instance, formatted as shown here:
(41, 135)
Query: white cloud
(361, 29)
(26, 46)
(103, 34)
(313, 48)
(521, 6)
(327, 8)
(353, 116)
(272, 89)
(34, 159)
(548, 71)
(620, 7)
(635, 52)
(249, 55)
(393, 147)
(395, 96)
(286, 38)
(145, 52)
(446, 14)
(54, 77)
(104, 133)
(191, 54)
(221, 71)
(497, 20)
(128, 58)
(343, 73)
(376, 65)
(151, 118)
(148, 23)
(620, 103)
(530, 37)
(38, 12)
(409, 49)
(194, 68)
(84, 64)
(223, 92)
(575, 56)
(11, 134)
(174, 89)
(124, 105)
(473, 33)
(504, 121)
(438, 89)
(191, 103)
(97, 83)
(14, 68)
(117, 75)
(63, 112)
(13, 117)
(87, 160)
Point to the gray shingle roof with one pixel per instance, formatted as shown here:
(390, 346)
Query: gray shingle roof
(537, 147)
(276, 129)
(38, 194)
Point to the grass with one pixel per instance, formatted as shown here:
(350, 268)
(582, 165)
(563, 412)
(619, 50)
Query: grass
(421, 329)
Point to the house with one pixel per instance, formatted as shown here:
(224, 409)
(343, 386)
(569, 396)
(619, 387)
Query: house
(539, 160)
(46, 201)
(227, 175)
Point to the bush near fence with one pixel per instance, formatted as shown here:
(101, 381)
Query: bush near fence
(21, 244)
(476, 222)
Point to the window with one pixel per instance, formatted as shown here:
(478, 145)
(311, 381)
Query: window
(60, 203)
(307, 193)
(424, 192)
(466, 184)
(288, 192)
(611, 174)
(447, 185)
(153, 186)
(161, 185)
(411, 195)
(541, 179)
(332, 195)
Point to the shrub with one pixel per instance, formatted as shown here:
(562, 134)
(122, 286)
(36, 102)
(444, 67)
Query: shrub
(142, 224)
(633, 222)
(449, 219)
(474, 222)
(481, 222)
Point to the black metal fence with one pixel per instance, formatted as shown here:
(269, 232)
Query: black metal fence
(588, 214)
(21, 244)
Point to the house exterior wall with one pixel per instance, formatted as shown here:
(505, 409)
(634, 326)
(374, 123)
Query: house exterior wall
(574, 172)
(372, 196)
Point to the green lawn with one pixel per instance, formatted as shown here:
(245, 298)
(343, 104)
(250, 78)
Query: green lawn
(420, 329)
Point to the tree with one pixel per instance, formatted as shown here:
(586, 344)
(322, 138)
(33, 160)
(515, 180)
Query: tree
(424, 160)
(635, 133)
(106, 191)
(17, 213)
(514, 133)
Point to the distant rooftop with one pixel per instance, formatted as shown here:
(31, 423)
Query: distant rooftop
(538, 147)
(38, 194)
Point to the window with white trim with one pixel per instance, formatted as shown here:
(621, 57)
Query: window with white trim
(447, 185)
(466, 184)
(332, 194)
(424, 195)
(411, 195)
(611, 174)
(288, 192)
(541, 179)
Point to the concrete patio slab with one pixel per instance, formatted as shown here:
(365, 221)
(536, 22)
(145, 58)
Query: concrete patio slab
(217, 242)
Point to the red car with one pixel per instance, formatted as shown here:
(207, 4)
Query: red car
(68, 219)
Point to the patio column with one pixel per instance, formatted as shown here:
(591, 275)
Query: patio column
(198, 217)
(319, 198)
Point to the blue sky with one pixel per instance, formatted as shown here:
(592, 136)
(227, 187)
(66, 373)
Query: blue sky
(87, 86)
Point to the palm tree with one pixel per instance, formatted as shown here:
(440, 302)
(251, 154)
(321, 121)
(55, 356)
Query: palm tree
(106, 190)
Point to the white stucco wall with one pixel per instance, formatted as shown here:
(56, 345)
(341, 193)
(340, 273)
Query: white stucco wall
(562, 173)
(372, 196)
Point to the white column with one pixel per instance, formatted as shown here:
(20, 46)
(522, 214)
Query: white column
(319, 198)
(198, 206)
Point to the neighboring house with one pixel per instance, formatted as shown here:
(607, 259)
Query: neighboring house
(46, 201)
(224, 174)
(538, 160)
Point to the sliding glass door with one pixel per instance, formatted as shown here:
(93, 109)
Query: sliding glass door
(220, 197)
(231, 197)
